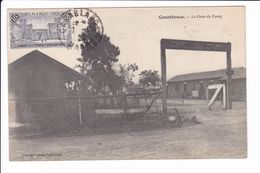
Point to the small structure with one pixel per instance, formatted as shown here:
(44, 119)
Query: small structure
(39, 88)
(194, 85)
(37, 75)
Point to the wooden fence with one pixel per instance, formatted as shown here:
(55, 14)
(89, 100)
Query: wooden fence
(61, 113)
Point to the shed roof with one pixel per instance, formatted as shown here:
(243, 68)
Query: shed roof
(239, 72)
(35, 54)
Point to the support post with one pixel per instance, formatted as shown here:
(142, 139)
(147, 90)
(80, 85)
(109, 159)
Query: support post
(224, 100)
(125, 105)
(229, 79)
(80, 115)
(163, 74)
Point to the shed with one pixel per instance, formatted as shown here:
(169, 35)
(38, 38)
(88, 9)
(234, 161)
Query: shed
(39, 78)
(38, 75)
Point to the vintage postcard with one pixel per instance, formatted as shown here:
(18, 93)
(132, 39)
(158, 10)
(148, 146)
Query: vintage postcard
(127, 83)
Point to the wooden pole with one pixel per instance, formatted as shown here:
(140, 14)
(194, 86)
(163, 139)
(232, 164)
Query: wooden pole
(80, 115)
(125, 105)
(229, 79)
(163, 76)
(224, 97)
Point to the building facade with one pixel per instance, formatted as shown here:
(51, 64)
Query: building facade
(49, 32)
(194, 85)
(37, 76)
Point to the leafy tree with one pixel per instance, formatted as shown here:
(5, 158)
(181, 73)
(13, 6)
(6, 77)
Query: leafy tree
(127, 71)
(98, 56)
(149, 77)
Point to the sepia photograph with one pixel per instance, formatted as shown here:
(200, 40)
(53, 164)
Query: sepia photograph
(127, 83)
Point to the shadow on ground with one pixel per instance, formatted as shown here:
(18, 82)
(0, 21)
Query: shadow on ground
(106, 124)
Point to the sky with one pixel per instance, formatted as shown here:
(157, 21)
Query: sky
(138, 31)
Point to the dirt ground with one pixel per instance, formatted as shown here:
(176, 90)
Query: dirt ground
(220, 134)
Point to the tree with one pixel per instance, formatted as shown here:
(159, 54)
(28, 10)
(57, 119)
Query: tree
(149, 77)
(98, 56)
(127, 71)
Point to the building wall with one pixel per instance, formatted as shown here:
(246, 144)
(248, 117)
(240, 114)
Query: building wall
(39, 34)
(238, 88)
(53, 34)
(195, 85)
(35, 79)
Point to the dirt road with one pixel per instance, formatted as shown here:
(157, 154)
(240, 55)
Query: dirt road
(221, 134)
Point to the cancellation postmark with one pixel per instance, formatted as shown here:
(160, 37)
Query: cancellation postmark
(85, 25)
(52, 28)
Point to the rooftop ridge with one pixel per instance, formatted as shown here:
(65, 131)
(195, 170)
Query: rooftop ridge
(216, 74)
(40, 54)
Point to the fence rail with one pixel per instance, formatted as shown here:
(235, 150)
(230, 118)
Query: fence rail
(86, 97)
(64, 112)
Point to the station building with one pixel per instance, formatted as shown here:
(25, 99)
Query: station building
(193, 85)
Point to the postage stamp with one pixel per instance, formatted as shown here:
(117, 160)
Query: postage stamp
(52, 28)
(38, 29)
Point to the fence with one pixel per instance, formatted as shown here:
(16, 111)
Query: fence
(126, 102)
(61, 113)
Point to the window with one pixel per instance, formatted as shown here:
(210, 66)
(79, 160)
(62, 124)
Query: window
(193, 86)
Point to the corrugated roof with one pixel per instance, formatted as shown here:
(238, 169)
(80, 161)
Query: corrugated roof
(239, 72)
